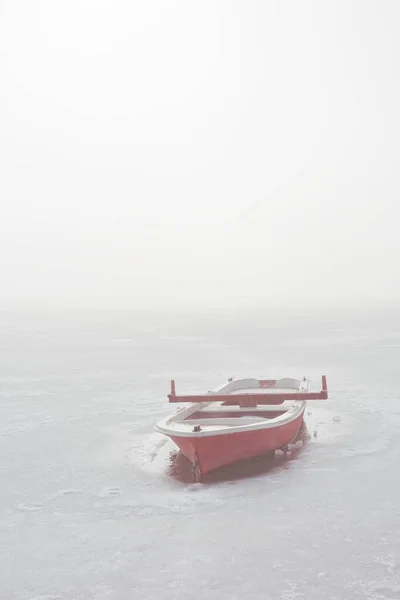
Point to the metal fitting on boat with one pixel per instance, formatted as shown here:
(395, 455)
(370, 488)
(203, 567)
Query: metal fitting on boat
(197, 428)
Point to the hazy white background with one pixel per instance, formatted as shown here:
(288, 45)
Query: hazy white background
(179, 153)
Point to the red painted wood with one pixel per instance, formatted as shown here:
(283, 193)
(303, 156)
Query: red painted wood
(267, 383)
(264, 414)
(237, 399)
(216, 451)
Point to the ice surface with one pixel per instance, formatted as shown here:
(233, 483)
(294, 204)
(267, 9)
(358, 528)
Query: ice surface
(94, 505)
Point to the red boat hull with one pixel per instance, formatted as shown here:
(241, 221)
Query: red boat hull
(215, 451)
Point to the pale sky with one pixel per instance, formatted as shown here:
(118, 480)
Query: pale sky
(223, 153)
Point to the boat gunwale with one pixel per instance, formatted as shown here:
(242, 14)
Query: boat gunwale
(165, 425)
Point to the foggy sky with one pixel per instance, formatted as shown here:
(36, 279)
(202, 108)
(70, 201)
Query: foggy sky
(219, 153)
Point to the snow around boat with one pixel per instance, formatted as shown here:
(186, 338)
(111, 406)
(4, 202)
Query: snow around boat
(242, 419)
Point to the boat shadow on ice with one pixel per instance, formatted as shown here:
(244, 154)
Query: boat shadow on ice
(181, 469)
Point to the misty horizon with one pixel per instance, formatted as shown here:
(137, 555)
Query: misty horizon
(199, 156)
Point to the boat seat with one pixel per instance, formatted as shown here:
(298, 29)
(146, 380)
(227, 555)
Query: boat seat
(233, 421)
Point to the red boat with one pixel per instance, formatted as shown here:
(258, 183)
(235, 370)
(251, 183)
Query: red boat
(242, 419)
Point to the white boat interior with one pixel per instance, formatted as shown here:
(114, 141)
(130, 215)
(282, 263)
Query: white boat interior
(205, 418)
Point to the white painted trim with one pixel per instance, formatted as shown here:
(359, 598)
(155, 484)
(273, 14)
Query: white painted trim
(175, 425)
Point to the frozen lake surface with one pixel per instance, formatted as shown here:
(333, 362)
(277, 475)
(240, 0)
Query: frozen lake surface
(94, 505)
